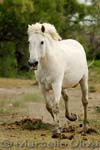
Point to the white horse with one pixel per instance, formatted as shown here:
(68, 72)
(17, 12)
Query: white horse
(58, 65)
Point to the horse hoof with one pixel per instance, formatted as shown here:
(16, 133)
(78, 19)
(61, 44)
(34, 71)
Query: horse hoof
(72, 117)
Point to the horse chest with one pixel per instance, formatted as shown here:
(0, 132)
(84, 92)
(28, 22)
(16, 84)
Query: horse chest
(45, 79)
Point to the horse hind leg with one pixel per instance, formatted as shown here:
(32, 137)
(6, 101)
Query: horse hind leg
(84, 88)
(71, 117)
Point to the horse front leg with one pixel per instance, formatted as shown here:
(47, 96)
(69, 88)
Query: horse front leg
(53, 108)
(57, 95)
(47, 99)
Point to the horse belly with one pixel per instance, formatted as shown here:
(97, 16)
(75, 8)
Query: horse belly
(74, 75)
(71, 80)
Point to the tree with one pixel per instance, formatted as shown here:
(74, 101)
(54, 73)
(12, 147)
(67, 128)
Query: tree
(69, 18)
(14, 18)
(94, 29)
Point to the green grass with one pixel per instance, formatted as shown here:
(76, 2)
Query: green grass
(27, 98)
(16, 103)
(4, 111)
(26, 75)
(32, 97)
(92, 89)
(35, 126)
(97, 108)
(96, 64)
(94, 73)
(3, 103)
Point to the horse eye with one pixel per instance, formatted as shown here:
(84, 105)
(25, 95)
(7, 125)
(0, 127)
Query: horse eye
(42, 42)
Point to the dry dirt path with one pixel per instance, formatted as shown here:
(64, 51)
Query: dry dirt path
(36, 108)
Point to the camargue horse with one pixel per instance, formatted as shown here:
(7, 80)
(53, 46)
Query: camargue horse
(59, 65)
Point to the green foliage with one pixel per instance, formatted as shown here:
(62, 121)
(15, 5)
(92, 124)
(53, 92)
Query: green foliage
(94, 30)
(15, 15)
(13, 29)
(25, 74)
(50, 11)
(92, 89)
(3, 111)
(29, 125)
(97, 108)
(7, 60)
(96, 65)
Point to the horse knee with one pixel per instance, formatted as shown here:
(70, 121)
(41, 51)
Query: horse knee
(64, 95)
(56, 108)
(84, 101)
(48, 107)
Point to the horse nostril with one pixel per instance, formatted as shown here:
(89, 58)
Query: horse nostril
(35, 63)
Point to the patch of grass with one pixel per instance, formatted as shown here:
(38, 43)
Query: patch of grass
(26, 75)
(97, 108)
(96, 64)
(92, 89)
(38, 125)
(17, 103)
(4, 111)
(22, 100)
(32, 97)
(94, 73)
(2, 103)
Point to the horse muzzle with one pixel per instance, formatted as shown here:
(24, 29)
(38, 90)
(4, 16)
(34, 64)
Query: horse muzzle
(33, 65)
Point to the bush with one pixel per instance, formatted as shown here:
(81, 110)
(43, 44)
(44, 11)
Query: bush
(7, 60)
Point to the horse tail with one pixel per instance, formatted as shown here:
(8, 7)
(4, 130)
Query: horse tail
(89, 65)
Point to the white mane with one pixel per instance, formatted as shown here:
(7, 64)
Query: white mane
(49, 30)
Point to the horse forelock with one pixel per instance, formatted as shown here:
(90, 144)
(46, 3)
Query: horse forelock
(49, 30)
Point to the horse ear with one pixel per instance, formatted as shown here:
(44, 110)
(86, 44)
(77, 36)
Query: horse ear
(43, 28)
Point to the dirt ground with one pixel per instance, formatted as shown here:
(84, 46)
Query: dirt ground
(22, 99)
